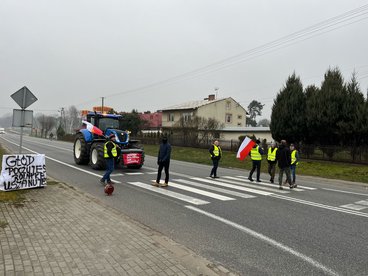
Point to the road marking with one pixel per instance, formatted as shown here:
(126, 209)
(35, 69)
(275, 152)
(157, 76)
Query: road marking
(63, 163)
(169, 193)
(275, 188)
(208, 187)
(48, 145)
(300, 189)
(345, 192)
(354, 207)
(151, 172)
(117, 174)
(362, 202)
(319, 205)
(268, 240)
(201, 192)
(236, 187)
(133, 173)
(267, 184)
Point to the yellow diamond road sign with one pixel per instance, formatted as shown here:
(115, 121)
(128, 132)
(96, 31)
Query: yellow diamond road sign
(24, 97)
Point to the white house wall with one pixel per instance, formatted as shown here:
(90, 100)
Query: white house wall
(218, 110)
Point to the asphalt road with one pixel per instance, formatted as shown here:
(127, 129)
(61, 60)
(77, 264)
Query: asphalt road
(253, 229)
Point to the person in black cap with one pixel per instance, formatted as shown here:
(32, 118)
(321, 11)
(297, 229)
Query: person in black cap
(111, 151)
(163, 161)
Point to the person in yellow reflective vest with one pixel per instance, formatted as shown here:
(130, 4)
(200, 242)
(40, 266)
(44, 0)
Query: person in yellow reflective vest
(271, 159)
(256, 156)
(294, 162)
(216, 154)
(111, 152)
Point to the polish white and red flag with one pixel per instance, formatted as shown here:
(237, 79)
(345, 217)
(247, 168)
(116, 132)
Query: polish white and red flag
(92, 128)
(245, 148)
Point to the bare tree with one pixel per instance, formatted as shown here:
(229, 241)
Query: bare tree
(46, 124)
(196, 130)
(73, 119)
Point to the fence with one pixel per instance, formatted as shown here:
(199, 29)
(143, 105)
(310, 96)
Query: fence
(358, 155)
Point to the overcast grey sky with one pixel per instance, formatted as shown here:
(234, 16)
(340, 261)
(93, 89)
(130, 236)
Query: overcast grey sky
(73, 52)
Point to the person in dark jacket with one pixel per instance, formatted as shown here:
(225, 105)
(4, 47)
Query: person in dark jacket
(216, 154)
(163, 161)
(111, 153)
(283, 157)
(256, 156)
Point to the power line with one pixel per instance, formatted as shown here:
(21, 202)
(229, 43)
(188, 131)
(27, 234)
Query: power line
(327, 26)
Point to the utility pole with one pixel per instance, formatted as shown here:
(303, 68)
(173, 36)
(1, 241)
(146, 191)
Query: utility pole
(102, 106)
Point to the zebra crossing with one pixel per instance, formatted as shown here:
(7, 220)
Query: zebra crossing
(227, 188)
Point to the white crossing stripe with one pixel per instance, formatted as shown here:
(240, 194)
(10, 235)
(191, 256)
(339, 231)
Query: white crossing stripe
(275, 188)
(133, 173)
(166, 192)
(296, 189)
(117, 174)
(208, 187)
(354, 207)
(264, 184)
(236, 187)
(362, 202)
(151, 172)
(201, 192)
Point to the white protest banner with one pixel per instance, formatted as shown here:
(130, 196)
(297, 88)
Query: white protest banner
(23, 171)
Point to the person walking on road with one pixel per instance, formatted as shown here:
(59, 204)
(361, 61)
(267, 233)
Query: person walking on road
(256, 156)
(111, 152)
(294, 162)
(271, 159)
(283, 158)
(163, 161)
(216, 154)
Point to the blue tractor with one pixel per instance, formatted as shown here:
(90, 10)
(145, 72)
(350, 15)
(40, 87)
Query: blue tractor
(89, 148)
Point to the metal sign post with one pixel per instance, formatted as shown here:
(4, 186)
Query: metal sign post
(24, 98)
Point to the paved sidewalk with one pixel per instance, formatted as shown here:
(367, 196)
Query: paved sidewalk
(60, 231)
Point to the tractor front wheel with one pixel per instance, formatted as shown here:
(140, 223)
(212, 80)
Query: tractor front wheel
(80, 150)
(97, 159)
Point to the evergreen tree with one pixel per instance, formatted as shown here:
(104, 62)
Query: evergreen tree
(311, 95)
(325, 107)
(132, 122)
(288, 112)
(352, 121)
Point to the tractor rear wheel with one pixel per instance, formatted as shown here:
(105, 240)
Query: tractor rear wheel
(97, 159)
(80, 150)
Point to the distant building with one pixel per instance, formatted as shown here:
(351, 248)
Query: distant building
(225, 110)
(153, 120)
(105, 109)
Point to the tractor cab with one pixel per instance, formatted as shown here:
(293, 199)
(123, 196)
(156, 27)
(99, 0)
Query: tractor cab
(109, 123)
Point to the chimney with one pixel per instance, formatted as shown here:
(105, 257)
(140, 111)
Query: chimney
(211, 97)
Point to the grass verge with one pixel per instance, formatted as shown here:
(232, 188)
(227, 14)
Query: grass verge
(332, 170)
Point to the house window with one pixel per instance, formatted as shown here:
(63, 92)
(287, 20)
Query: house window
(187, 116)
(228, 105)
(170, 117)
(239, 124)
(239, 117)
(228, 118)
